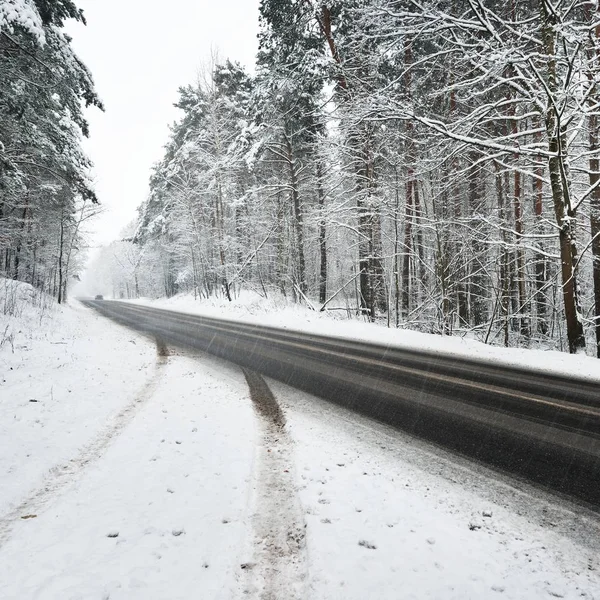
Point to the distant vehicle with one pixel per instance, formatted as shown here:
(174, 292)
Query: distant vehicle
(99, 297)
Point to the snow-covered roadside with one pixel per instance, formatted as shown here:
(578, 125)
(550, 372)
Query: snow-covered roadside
(391, 517)
(130, 476)
(251, 308)
(162, 514)
(170, 486)
(62, 391)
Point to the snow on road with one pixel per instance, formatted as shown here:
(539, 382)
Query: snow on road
(62, 392)
(392, 517)
(161, 510)
(143, 477)
(161, 515)
(278, 520)
(249, 307)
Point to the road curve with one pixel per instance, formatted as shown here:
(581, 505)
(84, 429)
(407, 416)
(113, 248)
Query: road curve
(540, 427)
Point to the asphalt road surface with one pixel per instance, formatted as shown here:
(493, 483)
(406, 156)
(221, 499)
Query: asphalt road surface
(539, 427)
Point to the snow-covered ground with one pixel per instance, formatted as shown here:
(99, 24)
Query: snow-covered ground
(276, 311)
(128, 477)
(66, 377)
(136, 476)
(391, 517)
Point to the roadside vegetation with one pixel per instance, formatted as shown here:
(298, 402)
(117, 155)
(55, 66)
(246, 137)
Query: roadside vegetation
(433, 165)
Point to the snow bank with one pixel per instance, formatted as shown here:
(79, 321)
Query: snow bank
(277, 312)
(64, 373)
(17, 296)
(23, 311)
(388, 517)
(155, 507)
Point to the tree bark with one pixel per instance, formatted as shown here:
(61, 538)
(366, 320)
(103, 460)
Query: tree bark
(298, 216)
(560, 184)
(365, 241)
(407, 246)
(504, 277)
(477, 289)
(60, 257)
(411, 195)
(541, 270)
(594, 166)
(595, 221)
(322, 235)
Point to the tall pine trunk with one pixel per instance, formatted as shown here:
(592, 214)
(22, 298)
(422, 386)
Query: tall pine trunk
(595, 221)
(298, 216)
(560, 185)
(594, 164)
(541, 270)
(322, 234)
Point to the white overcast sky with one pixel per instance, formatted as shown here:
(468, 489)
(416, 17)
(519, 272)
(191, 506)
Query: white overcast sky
(140, 52)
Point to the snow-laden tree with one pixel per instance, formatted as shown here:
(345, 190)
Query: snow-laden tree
(198, 198)
(518, 96)
(44, 174)
(432, 163)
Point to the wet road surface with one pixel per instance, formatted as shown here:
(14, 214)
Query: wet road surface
(543, 428)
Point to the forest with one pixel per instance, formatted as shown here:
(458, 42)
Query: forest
(431, 164)
(46, 192)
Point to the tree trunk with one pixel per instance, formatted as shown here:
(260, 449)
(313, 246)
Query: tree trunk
(568, 248)
(322, 235)
(60, 258)
(220, 223)
(380, 298)
(409, 206)
(541, 270)
(280, 267)
(560, 184)
(364, 253)
(594, 164)
(418, 215)
(397, 250)
(504, 276)
(407, 246)
(595, 221)
(520, 255)
(477, 288)
(298, 216)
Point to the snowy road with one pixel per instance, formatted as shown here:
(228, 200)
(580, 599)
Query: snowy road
(542, 426)
(440, 528)
(162, 478)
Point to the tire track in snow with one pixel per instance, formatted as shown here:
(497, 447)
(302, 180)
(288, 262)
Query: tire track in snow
(279, 569)
(60, 477)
